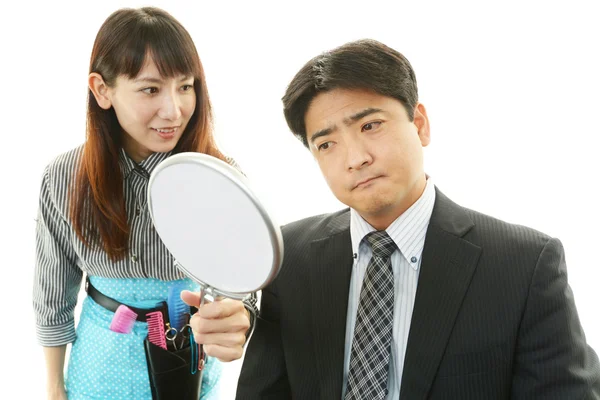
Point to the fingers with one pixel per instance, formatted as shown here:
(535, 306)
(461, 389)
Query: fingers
(190, 298)
(224, 354)
(231, 340)
(220, 309)
(238, 322)
(220, 327)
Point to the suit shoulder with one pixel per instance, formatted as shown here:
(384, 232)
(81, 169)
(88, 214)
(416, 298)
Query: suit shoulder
(488, 229)
(298, 234)
(315, 225)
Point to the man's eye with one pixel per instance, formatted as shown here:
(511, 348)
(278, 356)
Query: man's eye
(371, 125)
(324, 146)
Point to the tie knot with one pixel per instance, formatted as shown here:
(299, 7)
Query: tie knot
(381, 243)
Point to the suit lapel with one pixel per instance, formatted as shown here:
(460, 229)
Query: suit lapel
(446, 270)
(329, 281)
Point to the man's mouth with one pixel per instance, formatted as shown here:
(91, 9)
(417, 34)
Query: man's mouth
(366, 181)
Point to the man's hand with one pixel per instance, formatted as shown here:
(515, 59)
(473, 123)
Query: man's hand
(220, 326)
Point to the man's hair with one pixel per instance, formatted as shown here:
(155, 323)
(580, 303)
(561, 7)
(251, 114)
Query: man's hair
(363, 64)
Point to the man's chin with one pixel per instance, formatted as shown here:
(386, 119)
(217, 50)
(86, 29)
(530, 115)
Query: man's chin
(375, 208)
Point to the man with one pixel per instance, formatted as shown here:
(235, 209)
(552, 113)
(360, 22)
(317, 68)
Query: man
(406, 294)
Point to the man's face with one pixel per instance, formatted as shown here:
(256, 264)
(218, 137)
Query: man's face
(369, 151)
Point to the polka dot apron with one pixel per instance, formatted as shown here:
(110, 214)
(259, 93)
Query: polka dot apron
(108, 365)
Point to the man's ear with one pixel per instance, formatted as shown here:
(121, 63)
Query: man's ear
(100, 90)
(422, 123)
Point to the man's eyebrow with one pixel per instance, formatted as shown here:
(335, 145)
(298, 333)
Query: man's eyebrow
(361, 114)
(348, 121)
(321, 133)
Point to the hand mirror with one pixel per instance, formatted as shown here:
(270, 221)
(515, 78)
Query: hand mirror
(214, 225)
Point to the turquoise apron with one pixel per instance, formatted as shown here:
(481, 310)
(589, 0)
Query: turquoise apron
(109, 365)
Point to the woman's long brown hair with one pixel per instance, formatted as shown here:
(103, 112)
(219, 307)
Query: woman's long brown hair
(127, 37)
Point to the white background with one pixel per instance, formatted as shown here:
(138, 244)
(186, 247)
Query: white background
(511, 90)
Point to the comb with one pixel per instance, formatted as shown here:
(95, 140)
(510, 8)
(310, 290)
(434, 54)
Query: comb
(156, 329)
(123, 320)
(177, 308)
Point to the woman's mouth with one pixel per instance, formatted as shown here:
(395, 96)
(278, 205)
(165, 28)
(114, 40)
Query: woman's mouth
(166, 133)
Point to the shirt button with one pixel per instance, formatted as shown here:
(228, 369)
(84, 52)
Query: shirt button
(134, 258)
(413, 259)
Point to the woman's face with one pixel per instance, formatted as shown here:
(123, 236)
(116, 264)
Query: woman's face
(153, 111)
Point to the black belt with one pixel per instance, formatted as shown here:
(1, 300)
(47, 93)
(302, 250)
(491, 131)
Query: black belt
(112, 304)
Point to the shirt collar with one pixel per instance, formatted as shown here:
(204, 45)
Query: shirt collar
(407, 231)
(148, 165)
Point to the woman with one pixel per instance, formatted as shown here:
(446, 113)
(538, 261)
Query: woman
(147, 100)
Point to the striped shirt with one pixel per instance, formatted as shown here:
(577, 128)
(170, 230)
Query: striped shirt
(62, 258)
(408, 232)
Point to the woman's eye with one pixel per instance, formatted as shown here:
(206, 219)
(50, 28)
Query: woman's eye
(186, 88)
(150, 90)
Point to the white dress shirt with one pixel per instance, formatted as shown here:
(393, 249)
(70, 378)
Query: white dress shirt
(408, 232)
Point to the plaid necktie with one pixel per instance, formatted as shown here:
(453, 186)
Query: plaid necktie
(370, 354)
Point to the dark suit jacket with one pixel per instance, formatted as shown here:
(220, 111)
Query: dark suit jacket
(494, 317)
